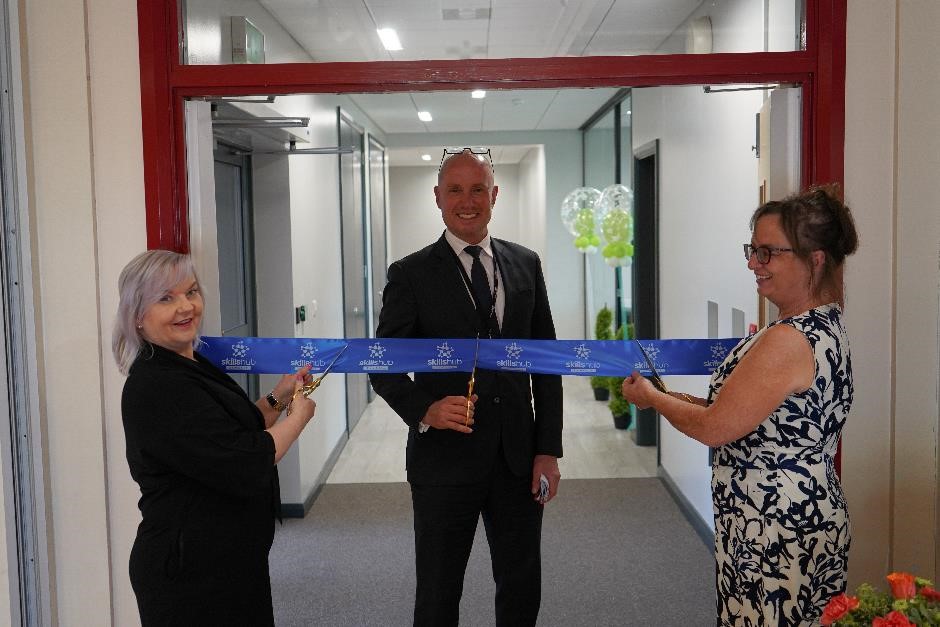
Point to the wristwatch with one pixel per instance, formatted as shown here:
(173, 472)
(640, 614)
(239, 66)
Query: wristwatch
(273, 402)
(423, 426)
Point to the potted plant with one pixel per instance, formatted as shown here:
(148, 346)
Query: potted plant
(620, 408)
(602, 331)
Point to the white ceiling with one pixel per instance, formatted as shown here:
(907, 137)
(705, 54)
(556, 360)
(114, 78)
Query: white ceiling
(344, 30)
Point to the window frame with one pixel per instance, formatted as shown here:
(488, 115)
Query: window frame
(165, 83)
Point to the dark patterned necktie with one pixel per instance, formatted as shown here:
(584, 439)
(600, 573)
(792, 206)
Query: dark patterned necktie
(480, 284)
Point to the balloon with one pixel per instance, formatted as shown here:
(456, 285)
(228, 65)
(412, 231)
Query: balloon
(577, 214)
(614, 212)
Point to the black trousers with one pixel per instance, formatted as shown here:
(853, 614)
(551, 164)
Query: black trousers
(445, 519)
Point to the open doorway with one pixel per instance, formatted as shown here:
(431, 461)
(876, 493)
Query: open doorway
(320, 237)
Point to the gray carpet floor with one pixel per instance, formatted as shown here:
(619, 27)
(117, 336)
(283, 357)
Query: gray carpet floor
(614, 552)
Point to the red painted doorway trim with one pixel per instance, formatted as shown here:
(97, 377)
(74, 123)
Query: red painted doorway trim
(165, 83)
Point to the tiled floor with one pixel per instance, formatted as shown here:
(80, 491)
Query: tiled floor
(594, 449)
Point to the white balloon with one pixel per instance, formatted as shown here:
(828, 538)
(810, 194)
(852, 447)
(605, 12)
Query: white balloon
(578, 211)
(614, 214)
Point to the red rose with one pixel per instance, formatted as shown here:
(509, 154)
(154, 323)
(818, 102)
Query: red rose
(930, 594)
(893, 619)
(838, 607)
(902, 585)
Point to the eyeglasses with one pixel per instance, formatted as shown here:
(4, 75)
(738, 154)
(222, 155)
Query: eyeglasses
(475, 150)
(764, 253)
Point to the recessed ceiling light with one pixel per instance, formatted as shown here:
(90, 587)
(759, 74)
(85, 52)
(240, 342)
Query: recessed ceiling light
(425, 157)
(478, 93)
(389, 38)
(424, 116)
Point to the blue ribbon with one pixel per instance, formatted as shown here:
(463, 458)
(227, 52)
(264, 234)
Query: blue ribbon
(377, 355)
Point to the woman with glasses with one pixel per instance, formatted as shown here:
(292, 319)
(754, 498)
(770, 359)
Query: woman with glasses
(774, 413)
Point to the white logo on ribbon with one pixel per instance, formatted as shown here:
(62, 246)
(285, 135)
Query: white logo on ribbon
(376, 351)
(445, 351)
(582, 351)
(239, 360)
(653, 351)
(513, 351)
(308, 351)
(718, 351)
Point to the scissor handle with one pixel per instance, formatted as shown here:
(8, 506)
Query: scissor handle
(658, 384)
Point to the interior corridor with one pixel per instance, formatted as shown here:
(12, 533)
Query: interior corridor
(593, 448)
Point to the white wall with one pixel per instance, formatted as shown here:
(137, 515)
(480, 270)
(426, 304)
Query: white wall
(870, 185)
(533, 212)
(915, 511)
(708, 190)
(414, 221)
(892, 157)
(86, 197)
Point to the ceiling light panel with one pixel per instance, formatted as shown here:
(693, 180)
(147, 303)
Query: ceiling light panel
(389, 39)
(452, 110)
(342, 30)
(465, 14)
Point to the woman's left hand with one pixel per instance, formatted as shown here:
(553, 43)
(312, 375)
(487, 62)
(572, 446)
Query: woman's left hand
(638, 390)
(284, 390)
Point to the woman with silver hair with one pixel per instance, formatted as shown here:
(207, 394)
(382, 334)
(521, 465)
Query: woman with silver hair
(203, 454)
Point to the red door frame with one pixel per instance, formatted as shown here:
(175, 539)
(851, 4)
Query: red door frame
(166, 83)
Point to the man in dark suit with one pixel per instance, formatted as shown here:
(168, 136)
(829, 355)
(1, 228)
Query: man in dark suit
(466, 284)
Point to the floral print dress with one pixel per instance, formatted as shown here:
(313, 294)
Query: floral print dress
(781, 525)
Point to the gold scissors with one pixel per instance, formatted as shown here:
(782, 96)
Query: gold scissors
(473, 377)
(654, 377)
(308, 388)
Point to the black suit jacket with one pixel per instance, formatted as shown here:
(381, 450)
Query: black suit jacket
(426, 298)
(196, 444)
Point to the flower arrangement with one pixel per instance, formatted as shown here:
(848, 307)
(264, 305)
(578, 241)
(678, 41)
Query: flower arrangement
(913, 602)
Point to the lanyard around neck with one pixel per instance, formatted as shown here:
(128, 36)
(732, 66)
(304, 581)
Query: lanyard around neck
(469, 284)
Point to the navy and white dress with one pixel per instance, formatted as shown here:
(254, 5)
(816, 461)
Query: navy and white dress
(781, 525)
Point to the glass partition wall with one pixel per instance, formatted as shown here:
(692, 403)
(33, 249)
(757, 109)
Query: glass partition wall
(607, 161)
(241, 31)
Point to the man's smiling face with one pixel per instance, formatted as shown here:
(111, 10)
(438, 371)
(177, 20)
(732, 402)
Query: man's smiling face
(465, 195)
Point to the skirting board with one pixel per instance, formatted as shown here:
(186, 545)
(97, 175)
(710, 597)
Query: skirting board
(702, 528)
(299, 510)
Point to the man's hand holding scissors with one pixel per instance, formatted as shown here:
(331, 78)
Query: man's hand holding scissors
(450, 412)
(455, 412)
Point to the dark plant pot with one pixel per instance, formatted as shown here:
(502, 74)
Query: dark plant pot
(623, 422)
(601, 394)
(646, 424)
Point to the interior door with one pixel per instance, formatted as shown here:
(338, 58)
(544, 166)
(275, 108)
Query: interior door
(236, 252)
(355, 270)
(377, 204)
(377, 235)
(646, 268)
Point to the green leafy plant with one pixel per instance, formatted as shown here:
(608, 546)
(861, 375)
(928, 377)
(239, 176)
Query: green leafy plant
(602, 331)
(603, 324)
(618, 405)
(912, 602)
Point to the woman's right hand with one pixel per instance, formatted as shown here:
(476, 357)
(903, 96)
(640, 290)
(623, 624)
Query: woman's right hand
(302, 406)
(638, 390)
